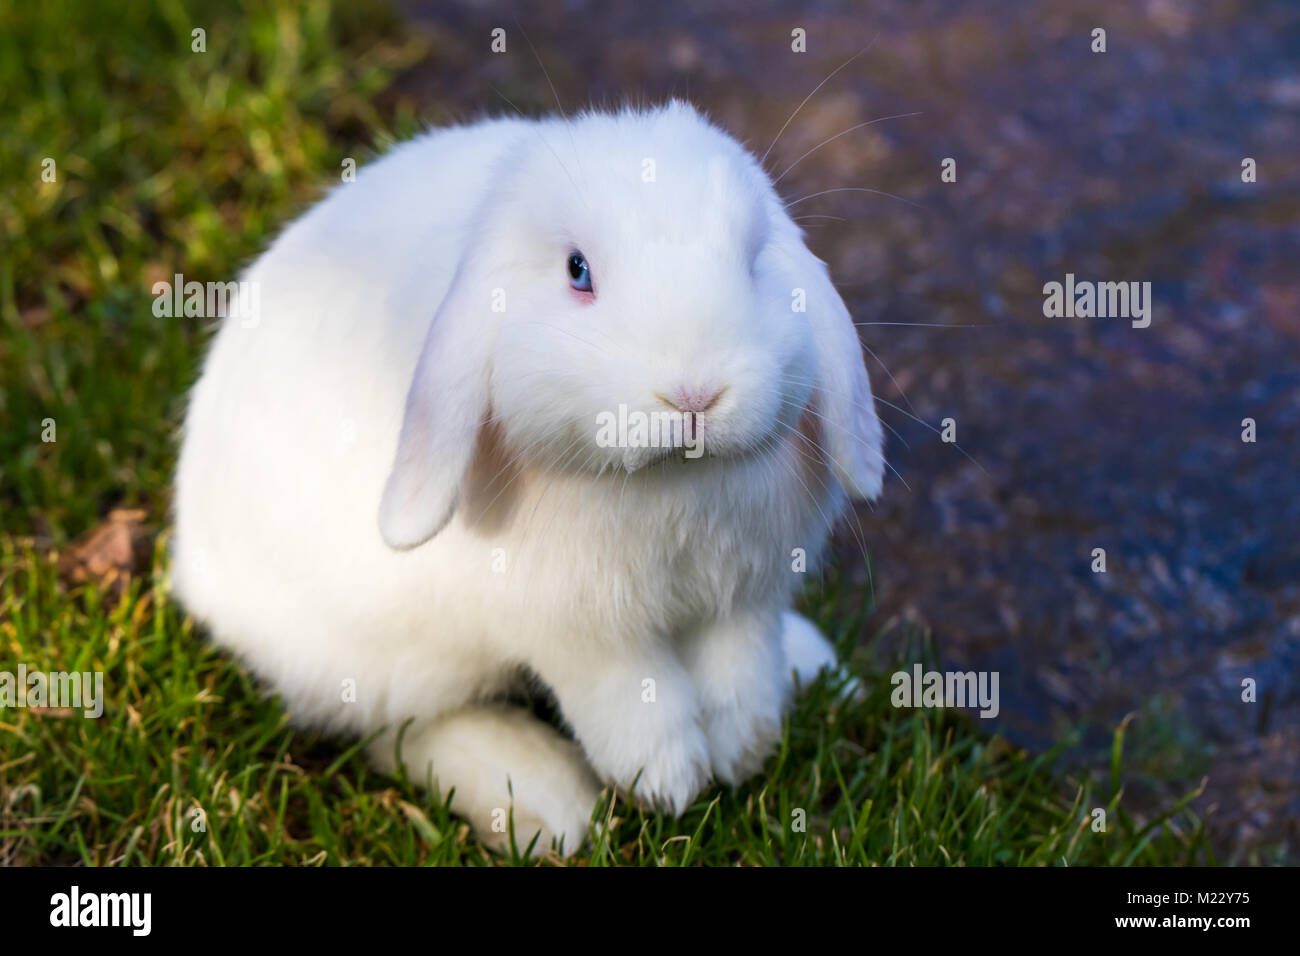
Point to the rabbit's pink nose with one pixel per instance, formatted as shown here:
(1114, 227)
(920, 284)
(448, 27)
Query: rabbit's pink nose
(693, 399)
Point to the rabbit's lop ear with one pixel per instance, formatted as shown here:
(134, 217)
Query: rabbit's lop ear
(850, 430)
(445, 408)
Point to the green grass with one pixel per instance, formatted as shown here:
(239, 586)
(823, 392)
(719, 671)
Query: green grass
(172, 161)
(166, 161)
(186, 730)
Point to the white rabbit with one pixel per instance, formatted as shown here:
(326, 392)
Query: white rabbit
(392, 501)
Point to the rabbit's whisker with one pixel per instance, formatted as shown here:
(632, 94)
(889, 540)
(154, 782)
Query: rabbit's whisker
(936, 431)
(859, 533)
(853, 189)
(555, 469)
(929, 325)
(837, 136)
(881, 363)
(762, 160)
(558, 105)
(883, 460)
(555, 512)
(567, 332)
(622, 494)
(513, 462)
(772, 453)
(892, 430)
(545, 142)
(859, 537)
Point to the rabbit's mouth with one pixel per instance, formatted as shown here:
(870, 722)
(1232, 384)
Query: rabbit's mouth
(711, 444)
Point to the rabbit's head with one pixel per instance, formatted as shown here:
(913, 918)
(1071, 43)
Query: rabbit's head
(632, 290)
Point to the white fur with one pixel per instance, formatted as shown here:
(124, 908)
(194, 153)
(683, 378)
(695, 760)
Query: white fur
(386, 482)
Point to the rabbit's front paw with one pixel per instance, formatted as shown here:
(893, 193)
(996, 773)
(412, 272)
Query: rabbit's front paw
(637, 719)
(742, 734)
(740, 675)
(671, 772)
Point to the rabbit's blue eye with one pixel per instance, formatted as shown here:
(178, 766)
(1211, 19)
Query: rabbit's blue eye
(579, 272)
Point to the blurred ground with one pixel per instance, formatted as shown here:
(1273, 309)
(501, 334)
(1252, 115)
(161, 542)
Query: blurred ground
(1116, 166)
